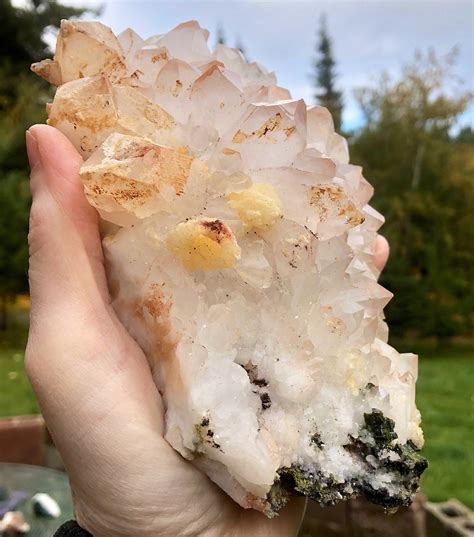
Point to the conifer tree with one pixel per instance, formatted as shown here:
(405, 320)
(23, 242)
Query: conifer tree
(325, 76)
(220, 35)
(241, 47)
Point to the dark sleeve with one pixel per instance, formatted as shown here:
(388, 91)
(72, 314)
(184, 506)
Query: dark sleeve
(71, 529)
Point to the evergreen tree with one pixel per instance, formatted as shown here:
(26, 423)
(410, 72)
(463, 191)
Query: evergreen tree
(240, 46)
(465, 135)
(220, 35)
(22, 102)
(423, 186)
(325, 76)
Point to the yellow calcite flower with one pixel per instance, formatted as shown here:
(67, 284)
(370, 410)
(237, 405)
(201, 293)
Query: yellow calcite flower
(258, 206)
(204, 243)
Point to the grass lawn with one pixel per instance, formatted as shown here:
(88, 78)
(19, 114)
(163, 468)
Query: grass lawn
(16, 395)
(445, 397)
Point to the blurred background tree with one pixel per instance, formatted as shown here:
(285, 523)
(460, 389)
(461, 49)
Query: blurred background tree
(423, 175)
(240, 46)
(423, 179)
(412, 150)
(325, 76)
(22, 103)
(220, 35)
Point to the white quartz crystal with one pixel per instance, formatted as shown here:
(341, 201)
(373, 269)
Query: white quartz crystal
(241, 258)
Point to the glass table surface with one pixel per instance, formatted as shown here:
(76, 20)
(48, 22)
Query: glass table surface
(34, 479)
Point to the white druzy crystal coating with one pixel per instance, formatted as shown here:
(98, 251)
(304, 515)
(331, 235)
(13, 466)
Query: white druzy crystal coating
(240, 256)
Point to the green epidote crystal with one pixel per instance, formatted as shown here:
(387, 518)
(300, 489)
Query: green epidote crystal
(376, 441)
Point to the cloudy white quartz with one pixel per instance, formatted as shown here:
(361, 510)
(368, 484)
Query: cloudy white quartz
(240, 256)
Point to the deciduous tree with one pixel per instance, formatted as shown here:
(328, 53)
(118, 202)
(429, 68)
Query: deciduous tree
(22, 102)
(423, 185)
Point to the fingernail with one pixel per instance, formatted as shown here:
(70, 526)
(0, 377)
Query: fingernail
(32, 150)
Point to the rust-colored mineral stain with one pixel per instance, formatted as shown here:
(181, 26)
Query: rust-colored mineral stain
(161, 166)
(254, 502)
(123, 191)
(159, 117)
(272, 124)
(228, 151)
(96, 189)
(353, 215)
(132, 194)
(162, 56)
(335, 194)
(156, 304)
(217, 228)
(240, 137)
(138, 151)
(82, 112)
(153, 311)
(335, 325)
(174, 168)
(94, 123)
(177, 88)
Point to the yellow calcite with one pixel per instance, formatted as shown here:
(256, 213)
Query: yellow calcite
(258, 206)
(205, 243)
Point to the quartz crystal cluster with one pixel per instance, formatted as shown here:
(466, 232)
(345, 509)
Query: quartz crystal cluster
(240, 247)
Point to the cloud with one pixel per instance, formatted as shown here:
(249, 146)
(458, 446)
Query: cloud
(368, 37)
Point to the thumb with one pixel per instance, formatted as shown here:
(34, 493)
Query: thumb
(66, 264)
(79, 358)
(382, 252)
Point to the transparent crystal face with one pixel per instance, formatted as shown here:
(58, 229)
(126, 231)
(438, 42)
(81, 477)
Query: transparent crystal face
(239, 251)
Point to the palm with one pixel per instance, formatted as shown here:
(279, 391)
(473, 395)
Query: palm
(95, 387)
(156, 488)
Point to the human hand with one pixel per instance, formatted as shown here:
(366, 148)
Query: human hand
(94, 385)
(382, 251)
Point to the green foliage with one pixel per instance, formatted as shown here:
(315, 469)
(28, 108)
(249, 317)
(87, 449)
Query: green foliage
(27, 107)
(466, 135)
(444, 397)
(22, 29)
(22, 102)
(14, 207)
(16, 394)
(423, 186)
(324, 77)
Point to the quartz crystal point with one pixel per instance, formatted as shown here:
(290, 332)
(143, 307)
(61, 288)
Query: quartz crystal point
(240, 255)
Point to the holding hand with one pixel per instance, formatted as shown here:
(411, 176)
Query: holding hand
(94, 385)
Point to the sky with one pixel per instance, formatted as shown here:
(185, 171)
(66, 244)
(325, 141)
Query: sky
(369, 37)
